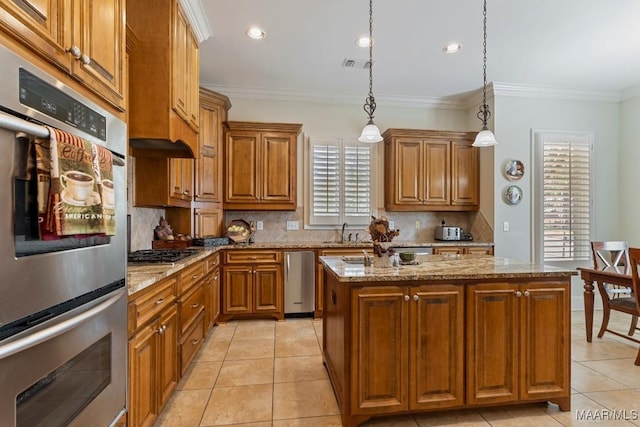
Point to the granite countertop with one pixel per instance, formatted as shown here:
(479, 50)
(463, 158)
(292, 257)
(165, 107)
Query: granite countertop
(443, 267)
(140, 276)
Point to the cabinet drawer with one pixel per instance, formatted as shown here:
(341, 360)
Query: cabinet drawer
(190, 276)
(190, 344)
(145, 307)
(212, 262)
(252, 257)
(191, 305)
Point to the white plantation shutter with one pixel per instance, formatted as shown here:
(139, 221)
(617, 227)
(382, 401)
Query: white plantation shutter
(566, 198)
(340, 174)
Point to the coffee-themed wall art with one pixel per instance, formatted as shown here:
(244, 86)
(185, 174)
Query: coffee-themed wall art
(513, 170)
(512, 195)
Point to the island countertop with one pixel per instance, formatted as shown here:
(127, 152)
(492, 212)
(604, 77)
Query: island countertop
(443, 267)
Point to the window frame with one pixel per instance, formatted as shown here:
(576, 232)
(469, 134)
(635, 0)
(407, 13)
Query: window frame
(539, 138)
(311, 222)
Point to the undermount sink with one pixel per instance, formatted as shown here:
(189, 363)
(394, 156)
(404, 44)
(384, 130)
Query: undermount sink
(353, 259)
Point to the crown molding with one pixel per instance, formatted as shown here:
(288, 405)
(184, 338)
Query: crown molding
(197, 18)
(551, 92)
(630, 93)
(331, 98)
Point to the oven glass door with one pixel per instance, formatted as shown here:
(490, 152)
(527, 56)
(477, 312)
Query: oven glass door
(68, 371)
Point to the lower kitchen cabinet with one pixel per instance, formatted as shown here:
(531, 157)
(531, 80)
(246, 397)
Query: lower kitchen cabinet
(252, 285)
(153, 365)
(519, 334)
(212, 291)
(407, 351)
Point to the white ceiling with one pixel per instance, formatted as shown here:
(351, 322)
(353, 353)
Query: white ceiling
(579, 45)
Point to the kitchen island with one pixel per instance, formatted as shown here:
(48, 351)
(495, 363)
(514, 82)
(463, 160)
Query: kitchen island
(450, 332)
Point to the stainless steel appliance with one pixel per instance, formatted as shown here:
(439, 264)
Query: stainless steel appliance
(63, 313)
(299, 283)
(444, 232)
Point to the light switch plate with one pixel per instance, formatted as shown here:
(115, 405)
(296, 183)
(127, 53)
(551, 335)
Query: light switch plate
(260, 225)
(505, 226)
(392, 225)
(293, 225)
(417, 223)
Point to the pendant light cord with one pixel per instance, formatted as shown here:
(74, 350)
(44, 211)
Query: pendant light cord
(484, 113)
(370, 103)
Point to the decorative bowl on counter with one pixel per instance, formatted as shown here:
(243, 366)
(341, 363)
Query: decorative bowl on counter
(407, 256)
(239, 230)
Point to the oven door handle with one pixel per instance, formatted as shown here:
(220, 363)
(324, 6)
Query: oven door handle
(22, 344)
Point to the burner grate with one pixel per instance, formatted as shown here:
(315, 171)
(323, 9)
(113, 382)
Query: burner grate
(158, 256)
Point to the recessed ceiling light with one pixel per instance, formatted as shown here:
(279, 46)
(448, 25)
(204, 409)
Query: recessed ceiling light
(452, 48)
(362, 41)
(256, 33)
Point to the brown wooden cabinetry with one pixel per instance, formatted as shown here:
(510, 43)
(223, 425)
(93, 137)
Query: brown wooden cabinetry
(430, 171)
(319, 294)
(252, 284)
(408, 348)
(212, 291)
(85, 39)
(460, 250)
(519, 333)
(161, 182)
(153, 357)
(261, 166)
(164, 74)
(191, 308)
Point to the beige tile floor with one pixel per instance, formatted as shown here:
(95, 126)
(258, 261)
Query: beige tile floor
(263, 373)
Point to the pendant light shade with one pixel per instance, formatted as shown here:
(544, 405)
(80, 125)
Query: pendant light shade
(485, 137)
(370, 133)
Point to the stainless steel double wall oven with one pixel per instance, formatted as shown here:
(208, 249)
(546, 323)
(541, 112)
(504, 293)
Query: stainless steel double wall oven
(63, 344)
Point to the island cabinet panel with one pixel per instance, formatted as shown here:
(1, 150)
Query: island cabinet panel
(407, 350)
(518, 342)
(237, 285)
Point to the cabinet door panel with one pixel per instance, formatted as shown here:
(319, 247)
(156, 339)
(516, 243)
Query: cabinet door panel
(237, 284)
(278, 162)
(544, 340)
(464, 176)
(39, 25)
(179, 92)
(242, 163)
(436, 361)
(492, 352)
(408, 166)
(380, 341)
(99, 32)
(168, 355)
(268, 291)
(143, 357)
(208, 222)
(436, 173)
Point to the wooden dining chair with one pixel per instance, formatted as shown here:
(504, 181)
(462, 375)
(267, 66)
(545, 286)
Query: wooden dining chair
(613, 254)
(629, 304)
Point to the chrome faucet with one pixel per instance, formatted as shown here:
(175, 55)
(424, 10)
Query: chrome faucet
(344, 225)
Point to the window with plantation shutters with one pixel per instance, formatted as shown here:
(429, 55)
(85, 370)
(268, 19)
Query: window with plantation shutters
(340, 182)
(565, 196)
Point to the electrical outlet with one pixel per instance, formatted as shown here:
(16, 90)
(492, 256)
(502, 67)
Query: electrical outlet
(505, 226)
(392, 225)
(293, 225)
(260, 225)
(417, 223)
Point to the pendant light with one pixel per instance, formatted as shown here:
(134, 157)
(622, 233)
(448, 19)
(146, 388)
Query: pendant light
(485, 137)
(370, 133)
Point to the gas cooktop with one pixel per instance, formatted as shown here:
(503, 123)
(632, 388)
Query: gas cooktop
(159, 256)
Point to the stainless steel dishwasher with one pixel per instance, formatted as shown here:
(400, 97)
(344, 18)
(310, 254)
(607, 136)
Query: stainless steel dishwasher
(299, 283)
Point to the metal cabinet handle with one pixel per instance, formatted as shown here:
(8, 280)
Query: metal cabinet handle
(526, 293)
(75, 51)
(215, 277)
(85, 59)
(253, 257)
(185, 192)
(194, 342)
(518, 294)
(407, 298)
(195, 276)
(416, 297)
(160, 301)
(195, 305)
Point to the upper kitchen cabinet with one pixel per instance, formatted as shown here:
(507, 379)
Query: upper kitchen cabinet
(84, 38)
(261, 166)
(213, 113)
(430, 171)
(163, 182)
(163, 82)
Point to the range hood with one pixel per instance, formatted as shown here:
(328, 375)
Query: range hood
(157, 147)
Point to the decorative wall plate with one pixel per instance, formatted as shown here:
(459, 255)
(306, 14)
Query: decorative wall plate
(513, 170)
(512, 195)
